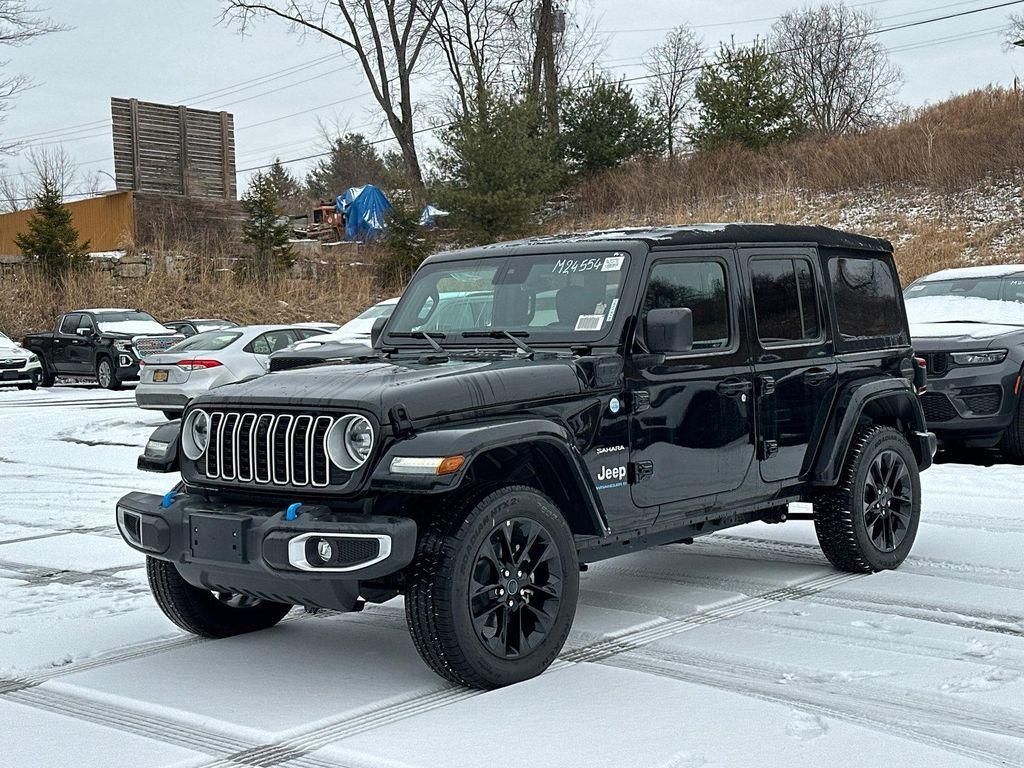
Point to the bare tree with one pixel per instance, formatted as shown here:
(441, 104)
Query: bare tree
(20, 24)
(1014, 34)
(474, 38)
(387, 36)
(672, 69)
(50, 167)
(843, 74)
(578, 43)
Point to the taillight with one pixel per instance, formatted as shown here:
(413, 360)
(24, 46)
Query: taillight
(198, 364)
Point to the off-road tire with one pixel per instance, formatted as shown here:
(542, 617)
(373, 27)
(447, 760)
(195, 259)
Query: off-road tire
(200, 612)
(437, 605)
(1012, 442)
(172, 415)
(109, 379)
(839, 520)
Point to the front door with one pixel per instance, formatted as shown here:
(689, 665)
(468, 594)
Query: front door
(64, 340)
(691, 430)
(794, 358)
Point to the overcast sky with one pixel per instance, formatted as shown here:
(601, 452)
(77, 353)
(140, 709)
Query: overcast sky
(180, 52)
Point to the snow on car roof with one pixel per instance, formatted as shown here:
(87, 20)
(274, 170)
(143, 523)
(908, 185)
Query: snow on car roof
(973, 273)
(105, 309)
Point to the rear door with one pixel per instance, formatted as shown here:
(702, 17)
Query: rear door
(691, 430)
(63, 340)
(794, 356)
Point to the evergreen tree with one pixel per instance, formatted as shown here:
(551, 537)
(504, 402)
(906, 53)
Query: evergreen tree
(352, 162)
(603, 126)
(52, 240)
(498, 165)
(285, 185)
(744, 98)
(264, 229)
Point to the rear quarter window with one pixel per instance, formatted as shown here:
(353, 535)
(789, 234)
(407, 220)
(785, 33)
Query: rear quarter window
(869, 313)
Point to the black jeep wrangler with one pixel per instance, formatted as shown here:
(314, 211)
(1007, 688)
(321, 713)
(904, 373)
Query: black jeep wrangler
(534, 406)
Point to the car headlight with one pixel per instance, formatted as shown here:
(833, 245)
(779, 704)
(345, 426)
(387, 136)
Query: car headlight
(982, 357)
(123, 346)
(350, 442)
(195, 434)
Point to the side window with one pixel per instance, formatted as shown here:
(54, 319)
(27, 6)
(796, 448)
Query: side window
(270, 342)
(69, 324)
(785, 301)
(866, 299)
(699, 286)
(87, 323)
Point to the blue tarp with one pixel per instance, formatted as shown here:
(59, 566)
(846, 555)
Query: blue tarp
(364, 208)
(430, 215)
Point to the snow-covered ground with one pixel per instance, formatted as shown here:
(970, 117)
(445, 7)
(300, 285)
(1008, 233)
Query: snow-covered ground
(743, 649)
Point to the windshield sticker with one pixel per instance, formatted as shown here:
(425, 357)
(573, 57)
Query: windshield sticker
(589, 322)
(613, 264)
(573, 266)
(611, 309)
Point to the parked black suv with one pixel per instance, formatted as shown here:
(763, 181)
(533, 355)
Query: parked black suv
(968, 324)
(535, 406)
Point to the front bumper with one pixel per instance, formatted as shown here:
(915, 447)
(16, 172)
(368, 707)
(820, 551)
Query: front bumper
(257, 551)
(31, 372)
(972, 404)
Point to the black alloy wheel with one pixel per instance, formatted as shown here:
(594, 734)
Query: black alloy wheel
(515, 588)
(888, 501)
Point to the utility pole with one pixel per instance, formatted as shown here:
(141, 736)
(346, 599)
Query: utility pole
(548, 24)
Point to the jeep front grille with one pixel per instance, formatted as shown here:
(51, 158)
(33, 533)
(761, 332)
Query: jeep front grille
(268, 449)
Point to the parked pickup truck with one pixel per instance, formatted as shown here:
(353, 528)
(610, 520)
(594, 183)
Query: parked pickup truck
(104, 343)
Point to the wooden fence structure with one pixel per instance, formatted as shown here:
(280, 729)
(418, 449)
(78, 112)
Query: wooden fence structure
(173, 150)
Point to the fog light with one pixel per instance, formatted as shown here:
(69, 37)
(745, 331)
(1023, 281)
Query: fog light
(324, 550)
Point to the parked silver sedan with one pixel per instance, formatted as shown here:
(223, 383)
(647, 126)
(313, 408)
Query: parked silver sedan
(170, 379)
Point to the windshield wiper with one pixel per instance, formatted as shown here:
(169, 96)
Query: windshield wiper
(427, 335)
(512, 336)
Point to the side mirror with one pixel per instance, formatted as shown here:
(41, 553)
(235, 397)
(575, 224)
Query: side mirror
(377, 330)
(669, 331)
(83, 331)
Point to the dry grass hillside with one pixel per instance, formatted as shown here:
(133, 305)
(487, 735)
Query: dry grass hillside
(945, 185)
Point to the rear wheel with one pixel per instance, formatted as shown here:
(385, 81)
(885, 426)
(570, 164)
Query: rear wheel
(205, 613)
(105, 374)
(869, 521)
(492, 591)
(1012, 442)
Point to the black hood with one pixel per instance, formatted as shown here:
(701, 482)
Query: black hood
(933, 336)
(424, 389)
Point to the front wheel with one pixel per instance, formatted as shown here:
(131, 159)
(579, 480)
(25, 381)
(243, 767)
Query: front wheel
(105, 375)
(492, 592)
(869, 521)
(1012, 441)
(205, 613)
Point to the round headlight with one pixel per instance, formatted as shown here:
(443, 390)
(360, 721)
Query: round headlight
(195, 434)
(350, 442)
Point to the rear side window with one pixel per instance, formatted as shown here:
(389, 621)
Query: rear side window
(867, 301)
(698, 286)
(270, 342)
(785, 301)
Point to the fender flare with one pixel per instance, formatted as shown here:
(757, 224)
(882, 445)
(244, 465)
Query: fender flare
(849, 407)
(475, 441)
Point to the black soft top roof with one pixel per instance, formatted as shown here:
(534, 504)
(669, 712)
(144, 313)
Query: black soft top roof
(693, 234)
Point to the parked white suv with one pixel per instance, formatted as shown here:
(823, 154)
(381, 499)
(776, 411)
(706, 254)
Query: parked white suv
(18, 366)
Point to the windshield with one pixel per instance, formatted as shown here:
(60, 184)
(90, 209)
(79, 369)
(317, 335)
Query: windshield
(548, 298)
(210, 341)
(997, 300)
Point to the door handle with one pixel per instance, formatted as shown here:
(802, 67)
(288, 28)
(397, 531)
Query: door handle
(816, 376)
(733, 387)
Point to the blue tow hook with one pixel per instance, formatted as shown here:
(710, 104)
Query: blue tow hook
(293, 511)
(168, 499)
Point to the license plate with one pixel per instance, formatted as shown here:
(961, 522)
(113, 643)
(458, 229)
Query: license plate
(218, 537)
(160, 375)
(8, 375)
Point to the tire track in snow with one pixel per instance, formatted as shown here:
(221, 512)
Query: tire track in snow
(981, 741)
(749, 548)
